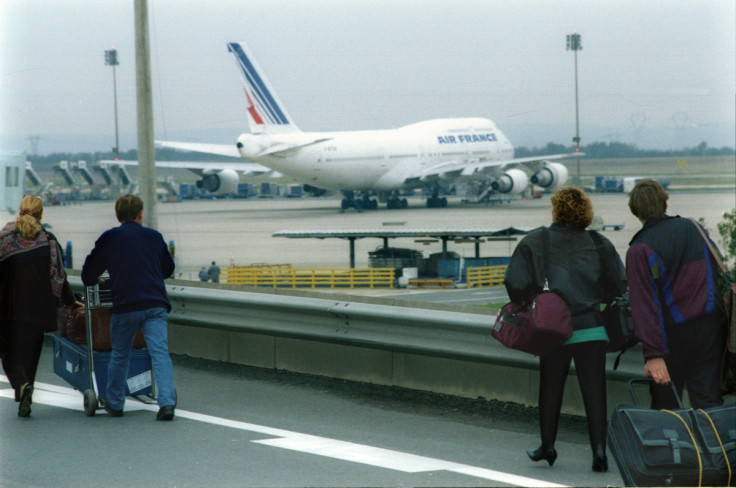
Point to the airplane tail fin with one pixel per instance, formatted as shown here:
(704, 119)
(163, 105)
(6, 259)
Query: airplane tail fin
(266, 114)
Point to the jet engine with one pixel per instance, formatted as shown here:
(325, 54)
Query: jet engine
(220, 182)
(512, 181)
(552, 176)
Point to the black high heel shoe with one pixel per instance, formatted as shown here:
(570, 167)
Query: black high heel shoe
(24, 409)
(600, 462)
(547, 453)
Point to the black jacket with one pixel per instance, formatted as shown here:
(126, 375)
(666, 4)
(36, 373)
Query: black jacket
(138, 261)
(575, 271)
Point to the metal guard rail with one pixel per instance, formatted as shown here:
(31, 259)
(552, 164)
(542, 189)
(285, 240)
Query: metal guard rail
(385, 324)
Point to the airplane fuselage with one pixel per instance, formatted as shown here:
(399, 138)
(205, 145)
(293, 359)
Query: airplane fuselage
(431, 155)
(378, 160)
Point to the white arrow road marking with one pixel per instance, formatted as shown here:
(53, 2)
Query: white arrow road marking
(59, 396)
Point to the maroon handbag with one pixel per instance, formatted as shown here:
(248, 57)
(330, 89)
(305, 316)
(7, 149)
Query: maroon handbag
(539, 328)
(540, 325)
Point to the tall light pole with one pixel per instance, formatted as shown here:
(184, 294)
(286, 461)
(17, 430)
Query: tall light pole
(111, 59)
(144, 106)
(574, 45)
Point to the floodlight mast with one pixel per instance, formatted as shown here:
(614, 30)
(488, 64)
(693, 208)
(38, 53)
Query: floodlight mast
(574, 45)
(111, 59)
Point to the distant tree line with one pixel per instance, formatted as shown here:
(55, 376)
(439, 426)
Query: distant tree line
(596, 150)
(608, 150)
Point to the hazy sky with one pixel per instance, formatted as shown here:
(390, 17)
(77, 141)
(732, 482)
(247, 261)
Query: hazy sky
(647, 66)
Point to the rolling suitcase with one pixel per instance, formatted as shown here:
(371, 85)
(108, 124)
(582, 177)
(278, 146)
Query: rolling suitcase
(681, 447)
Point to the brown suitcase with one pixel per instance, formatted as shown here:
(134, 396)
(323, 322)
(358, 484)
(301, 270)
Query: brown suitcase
(100, 321)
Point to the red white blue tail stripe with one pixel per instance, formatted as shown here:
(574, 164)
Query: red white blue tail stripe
(264, 107)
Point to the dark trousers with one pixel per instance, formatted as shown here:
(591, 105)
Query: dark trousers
(590, 366)
(20, 348)
(696, 353)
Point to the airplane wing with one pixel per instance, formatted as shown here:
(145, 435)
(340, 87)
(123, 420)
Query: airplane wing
(463, 170)
(201, 167)
(219, 149)
(281, 148)
(232, 151)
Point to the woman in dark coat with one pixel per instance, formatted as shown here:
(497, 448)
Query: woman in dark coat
(32, 286)
(574, 271)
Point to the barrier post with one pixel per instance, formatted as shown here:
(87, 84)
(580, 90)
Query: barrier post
(68, 260)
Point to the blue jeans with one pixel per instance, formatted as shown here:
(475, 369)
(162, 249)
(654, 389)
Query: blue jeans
(123, 327)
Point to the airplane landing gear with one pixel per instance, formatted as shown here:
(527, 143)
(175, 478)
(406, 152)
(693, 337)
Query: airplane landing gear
(436, 202)
(396, 203)
(369, 203)
(350, 201)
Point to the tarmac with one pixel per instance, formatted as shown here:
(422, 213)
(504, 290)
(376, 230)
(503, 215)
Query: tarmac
(240, 231)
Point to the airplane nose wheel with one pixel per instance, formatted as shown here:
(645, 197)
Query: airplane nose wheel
(346, 204)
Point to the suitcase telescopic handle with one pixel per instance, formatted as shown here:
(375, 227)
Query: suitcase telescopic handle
(650, 381)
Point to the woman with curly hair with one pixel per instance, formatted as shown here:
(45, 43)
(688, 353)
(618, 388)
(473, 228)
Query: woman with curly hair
(32, 286)
(574, 271)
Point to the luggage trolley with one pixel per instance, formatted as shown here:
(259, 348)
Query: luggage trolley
(76, 363)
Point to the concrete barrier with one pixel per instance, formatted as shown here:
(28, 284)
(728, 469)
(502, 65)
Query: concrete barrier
(433, 347)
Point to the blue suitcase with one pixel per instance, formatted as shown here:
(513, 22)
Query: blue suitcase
(71, 364)
(681, 447)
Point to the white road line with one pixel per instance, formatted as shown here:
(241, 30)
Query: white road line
(58, 396)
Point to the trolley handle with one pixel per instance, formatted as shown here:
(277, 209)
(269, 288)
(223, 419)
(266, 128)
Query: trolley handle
(92, 296)
(96, 297)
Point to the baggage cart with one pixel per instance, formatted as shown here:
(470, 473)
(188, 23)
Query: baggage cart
(680, 447)
(86, 369)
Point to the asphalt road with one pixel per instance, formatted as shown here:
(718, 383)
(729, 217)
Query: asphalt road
(240, 426)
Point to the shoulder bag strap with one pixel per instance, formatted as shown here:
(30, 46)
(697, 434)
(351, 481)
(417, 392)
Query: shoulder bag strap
(714, 252)
(608, 268)
(545, 256)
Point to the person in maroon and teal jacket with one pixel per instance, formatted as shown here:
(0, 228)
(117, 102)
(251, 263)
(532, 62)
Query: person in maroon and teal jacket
(675, 305)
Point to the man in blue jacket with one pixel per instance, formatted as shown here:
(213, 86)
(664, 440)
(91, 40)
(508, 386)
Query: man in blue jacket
(675, 305)
(137, 260)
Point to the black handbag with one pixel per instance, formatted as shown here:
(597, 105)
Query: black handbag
(616, 314)
(619, 324)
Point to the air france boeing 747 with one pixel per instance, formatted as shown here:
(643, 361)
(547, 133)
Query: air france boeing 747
(373, 163)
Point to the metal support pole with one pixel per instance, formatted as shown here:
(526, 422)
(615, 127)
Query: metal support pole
(577, 119)
(574, 45)
(146, 152)
(352, 252)
(115, 94)
(111, 59)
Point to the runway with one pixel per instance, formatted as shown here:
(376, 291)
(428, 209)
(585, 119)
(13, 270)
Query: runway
(241, 230)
